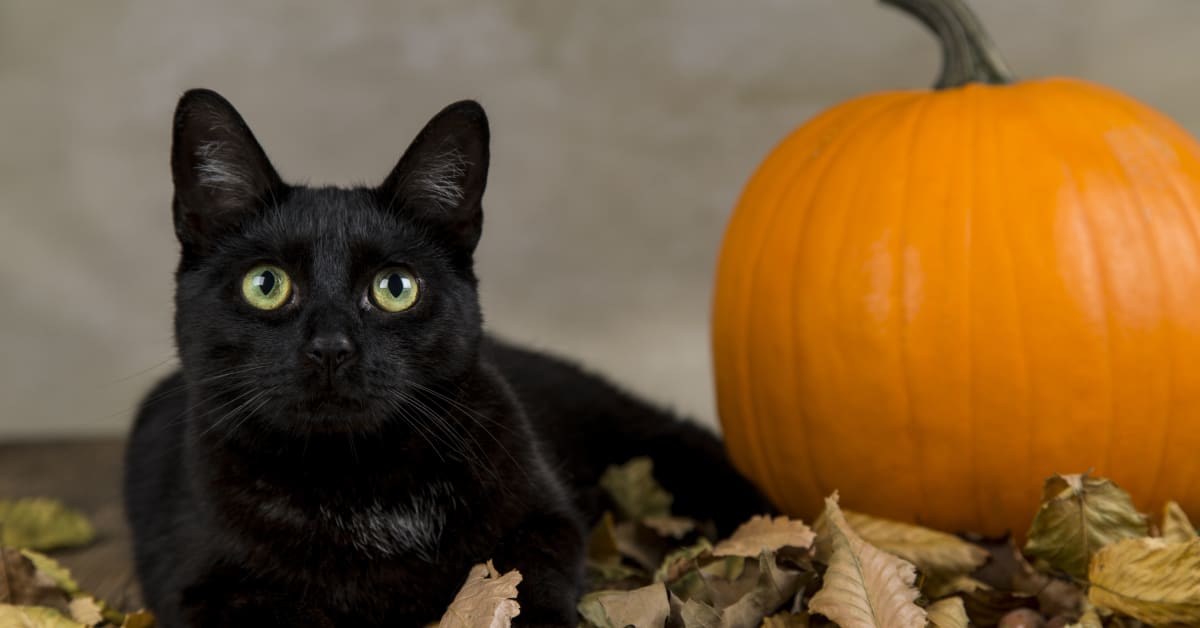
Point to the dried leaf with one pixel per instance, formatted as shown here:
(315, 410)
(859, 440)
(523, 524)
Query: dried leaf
(986, 606)
(646, 606)
(762, 533)
(640, 544)
(1176, 527)
(786, 620)
(948, 613)
(775, 586)
(486, 600)
(1078, 516)
(670, 527)
(22, 584)
(937, 588)
(138, 619)
(681, 560)
(634, 490)
(61, 576)
(1088, 620)
(697, 614)
(934, 553)
(42, 524)
(86, 609)
(864, 587)
(34, 617)
(1149, 579)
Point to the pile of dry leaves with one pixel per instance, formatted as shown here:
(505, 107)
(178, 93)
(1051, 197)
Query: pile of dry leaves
(1096, 562)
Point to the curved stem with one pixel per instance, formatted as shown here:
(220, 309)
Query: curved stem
(968, 55)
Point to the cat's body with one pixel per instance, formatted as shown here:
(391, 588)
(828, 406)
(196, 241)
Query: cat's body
(339, 453)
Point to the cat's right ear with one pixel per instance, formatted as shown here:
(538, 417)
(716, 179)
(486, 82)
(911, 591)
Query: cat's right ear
(221, 173)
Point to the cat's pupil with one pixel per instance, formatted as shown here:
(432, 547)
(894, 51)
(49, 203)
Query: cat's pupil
(396, 285)
(265, 282)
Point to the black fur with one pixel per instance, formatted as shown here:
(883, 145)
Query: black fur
(267, 488)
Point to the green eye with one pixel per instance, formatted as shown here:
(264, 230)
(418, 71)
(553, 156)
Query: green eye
(394, 289)
(266, 287)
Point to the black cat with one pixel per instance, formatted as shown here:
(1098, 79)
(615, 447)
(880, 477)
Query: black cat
(343, 441)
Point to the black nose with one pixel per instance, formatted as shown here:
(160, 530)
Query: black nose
(330, 350)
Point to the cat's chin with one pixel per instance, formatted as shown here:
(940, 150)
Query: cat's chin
(334, 416)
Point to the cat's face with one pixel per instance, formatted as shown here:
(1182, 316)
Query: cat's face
(323, 309)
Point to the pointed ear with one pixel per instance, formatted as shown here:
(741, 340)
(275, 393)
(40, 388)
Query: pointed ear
(441, 177)
(221, 173)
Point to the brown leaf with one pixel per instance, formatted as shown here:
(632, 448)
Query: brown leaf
(39, 523)
(786, 620)
(486, 600)
(699, 615)
(634, 490)
(762, 533)
(1078, 516)
(1088, 620)
(948, 613)
(1176, 527)
(681, 560)
(1149, 579)
(138, 619)
(934, 553)
(775, 586)
(646, 606)
(670, 527)
(864, 587)
(22, 584)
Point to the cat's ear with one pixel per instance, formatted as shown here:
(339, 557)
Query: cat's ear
(441, 177)
(221, 173)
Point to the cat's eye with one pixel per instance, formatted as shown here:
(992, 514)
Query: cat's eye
(394, 289)
(266, 287)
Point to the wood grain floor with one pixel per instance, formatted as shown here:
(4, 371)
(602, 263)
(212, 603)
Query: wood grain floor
(86, 475)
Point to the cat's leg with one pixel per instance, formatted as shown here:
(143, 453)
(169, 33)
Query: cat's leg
(548, 550)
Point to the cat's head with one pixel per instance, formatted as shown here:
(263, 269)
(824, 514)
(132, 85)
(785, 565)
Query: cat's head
(320, 308)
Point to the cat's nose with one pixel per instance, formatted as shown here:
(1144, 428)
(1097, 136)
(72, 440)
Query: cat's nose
(331, 350)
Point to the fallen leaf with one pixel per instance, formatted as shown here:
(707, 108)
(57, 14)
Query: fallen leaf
(634, 490)
(934, 553)
(1176, 527)
(12, 616)
(86, 610)
(22, 584)
(681, 560)
(987, 606)
(670, 527)
(602, 543)
(697, 614)
(948, 613)
(1088, 620)
(1078, 516)
(864, 587)
(486, 600)
(762, 533)
(138, 619)
(786, 620)
(647, 606)
(39, 523)
(775, 586)
(61, 576)
(1149, 579)
(640, 544)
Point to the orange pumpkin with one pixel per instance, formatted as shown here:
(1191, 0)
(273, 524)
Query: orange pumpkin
(933, 299)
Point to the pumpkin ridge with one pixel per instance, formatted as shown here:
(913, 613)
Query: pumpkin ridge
(754, 438)
(968, 306)
(846, 136)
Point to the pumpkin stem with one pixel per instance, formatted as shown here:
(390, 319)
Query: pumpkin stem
(968, 55)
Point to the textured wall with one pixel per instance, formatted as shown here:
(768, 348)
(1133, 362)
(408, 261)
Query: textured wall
(623, 132)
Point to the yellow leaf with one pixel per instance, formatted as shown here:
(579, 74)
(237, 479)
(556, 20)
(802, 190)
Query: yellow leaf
(864, 587)
(1078, 516)
(138, 619)
(764, 533)
(42, 524)
(34, 617)
(933, 552)
(61, 576)
(486, 600)
(948, 613)
(647, 606)
(85, 609)
(1148, 579)
(1176, 527)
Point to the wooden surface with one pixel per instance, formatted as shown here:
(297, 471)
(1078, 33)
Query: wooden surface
(85, 475)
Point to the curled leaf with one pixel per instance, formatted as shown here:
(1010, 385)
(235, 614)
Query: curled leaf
(634, 490)
(486, 600)
(948, 613)
(647, 606)
(1176, 528)
(864, 587)
(1078, 516)
(1148, 579)
(763, 533)
(934, 553)
(39, 523)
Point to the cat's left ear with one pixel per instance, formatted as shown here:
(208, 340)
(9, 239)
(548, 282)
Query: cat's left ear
(440, 178)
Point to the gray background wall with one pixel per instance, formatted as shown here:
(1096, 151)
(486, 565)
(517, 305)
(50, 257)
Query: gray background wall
(623, 133)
